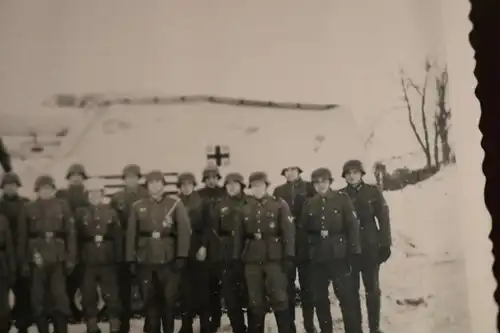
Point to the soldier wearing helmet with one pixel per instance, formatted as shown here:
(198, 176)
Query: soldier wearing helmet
(195, 284)
(375, 231)
(11, 204)
(211, 194)
(100, 236)
(122, 202)
(7, 272)
(295, 191)
(158, 239)
(225, 217)
(332, 229)
(265, 242)
(48, 251)
(76, 196)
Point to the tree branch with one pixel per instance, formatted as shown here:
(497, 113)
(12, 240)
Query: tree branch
(410, 112)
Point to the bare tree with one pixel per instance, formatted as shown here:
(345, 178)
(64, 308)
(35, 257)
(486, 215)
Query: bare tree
(443, 116)
(423, 138)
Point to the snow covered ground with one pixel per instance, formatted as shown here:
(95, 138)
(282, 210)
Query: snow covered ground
(423, 284)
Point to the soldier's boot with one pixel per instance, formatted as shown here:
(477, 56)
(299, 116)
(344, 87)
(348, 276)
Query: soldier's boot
(5, 323)
(92, 326)
(42, 324)
(256, 319)
(373, 310)
(324, 318)
(186, 323)
(60, 322)
(205, 323)
(167, 320)
(114, 325)
(237, 320)
(284, 322)
(215, 322)
(308, 316)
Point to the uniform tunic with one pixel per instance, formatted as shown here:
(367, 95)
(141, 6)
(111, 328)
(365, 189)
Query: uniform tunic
(333, 237)
(158, 232)
(47, 231)
(264, 238)
(375, 230)
(7, 268)
(225, 218)
(102, 250)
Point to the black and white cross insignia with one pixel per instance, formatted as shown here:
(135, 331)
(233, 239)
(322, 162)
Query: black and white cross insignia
(219, 154)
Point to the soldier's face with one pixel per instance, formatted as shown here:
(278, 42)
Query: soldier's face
(95, 197)
(131, 180)
(10, 189)
(211, 180)
(291, 174)
(155, 187)
(233, 188)
(75, 179)
(187, 188)
(353, 177)
(46, 192)
(322, 185)
(258, 189)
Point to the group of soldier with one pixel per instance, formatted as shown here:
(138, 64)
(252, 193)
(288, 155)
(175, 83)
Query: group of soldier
(200, 247)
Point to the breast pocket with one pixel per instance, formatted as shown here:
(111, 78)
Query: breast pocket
(335, 220)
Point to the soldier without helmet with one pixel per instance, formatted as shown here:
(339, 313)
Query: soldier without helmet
(332, 230)
(296, 192)
(375, 230)
(7, 272)
(225, 217)
(157, 246)
(11, 204)
(76, 197)
(122, 202)
(211, 194)
(47, 250)
(265, 241)
(101, 251)
(195, 283)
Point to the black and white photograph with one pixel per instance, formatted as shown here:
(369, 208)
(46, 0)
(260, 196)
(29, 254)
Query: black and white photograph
(230, 166)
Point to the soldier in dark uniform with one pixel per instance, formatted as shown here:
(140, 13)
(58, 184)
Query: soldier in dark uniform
(101, 237)
(265, 241)
(47, 249)
(122, 202)
(76, 197)
(5, 160)
(226, 217)
(195, 282)
(157, 246)
(375, 230)
(333, 242)
(7, 272)
(295, 192)
(211, 194)
(11, 205)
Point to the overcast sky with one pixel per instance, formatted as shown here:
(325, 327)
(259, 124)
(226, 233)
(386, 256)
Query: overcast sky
(342, 51)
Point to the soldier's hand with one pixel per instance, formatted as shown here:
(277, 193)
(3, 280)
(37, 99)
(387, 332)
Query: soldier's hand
(201, 255)
(354, 261)
(179, 264)
(384, 253)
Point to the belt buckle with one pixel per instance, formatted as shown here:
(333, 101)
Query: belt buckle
(98, 238)
(49, 235)
(257, 235)
(155, 235)
(324, 233)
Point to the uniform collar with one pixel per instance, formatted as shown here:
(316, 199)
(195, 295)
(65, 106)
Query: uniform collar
(355, 188)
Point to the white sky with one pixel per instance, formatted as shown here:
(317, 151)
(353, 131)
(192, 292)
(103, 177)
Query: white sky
(342, 51)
